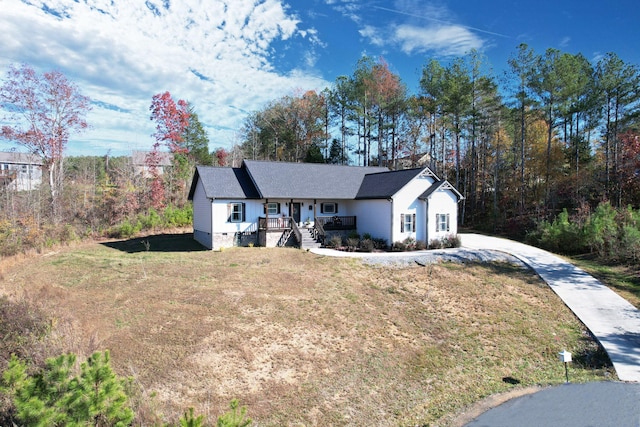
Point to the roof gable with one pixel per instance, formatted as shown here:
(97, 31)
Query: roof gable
(386, 184)
(224, 183)
(440, 186)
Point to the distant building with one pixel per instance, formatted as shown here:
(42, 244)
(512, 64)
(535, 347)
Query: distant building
(413, 161)
(140, 166)
(20, 171)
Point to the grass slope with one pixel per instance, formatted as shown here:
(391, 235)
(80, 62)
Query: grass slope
(302, 339)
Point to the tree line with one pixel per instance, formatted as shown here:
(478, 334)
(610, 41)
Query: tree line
(554, 131)
(93, 196)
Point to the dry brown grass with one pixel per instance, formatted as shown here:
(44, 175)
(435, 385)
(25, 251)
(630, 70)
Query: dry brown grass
(302, 339)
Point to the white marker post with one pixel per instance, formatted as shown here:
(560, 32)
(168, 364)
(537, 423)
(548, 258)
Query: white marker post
(565, 357)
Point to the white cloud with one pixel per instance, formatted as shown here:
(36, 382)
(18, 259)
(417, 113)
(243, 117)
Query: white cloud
(215, 54)
(415, 28)
(448, 40)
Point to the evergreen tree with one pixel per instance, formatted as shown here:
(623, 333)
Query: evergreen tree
(196, 140)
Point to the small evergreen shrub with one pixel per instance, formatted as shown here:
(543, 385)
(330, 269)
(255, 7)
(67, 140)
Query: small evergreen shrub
(380, 244)
(352, 243)
(335, 242)
(60, 394)
(366, 245)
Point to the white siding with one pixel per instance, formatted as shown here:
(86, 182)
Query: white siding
(442, 202)
(406, 201)
(202, 226)
(373, 217)
(221, 224)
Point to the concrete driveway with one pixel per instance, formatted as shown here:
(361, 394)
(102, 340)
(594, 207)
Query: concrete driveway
(613, 320)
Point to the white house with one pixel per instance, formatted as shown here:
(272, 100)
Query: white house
(272, 203)
(20, 171)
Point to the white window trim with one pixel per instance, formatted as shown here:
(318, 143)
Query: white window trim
(332, 210)
(236, 211)
(440, 223)
(272, 208)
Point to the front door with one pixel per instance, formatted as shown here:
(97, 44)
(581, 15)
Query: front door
(295, 214)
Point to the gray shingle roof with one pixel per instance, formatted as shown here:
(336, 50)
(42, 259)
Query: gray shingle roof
(386, 184)
(444, 185)
(20, 158)
(280, 180)
(307, 180)
(224, 183)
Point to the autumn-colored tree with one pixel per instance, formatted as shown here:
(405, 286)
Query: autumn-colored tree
(630, 165)
(172, 120)
(221, 155)
(43, 110)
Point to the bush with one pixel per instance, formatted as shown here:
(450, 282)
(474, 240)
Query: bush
(352, 243)
(601, 230)
(56, 395)
(612, 234)
(334, 242)
(366, 245)
(450, 241)
(380, 244)
(562, 235)
(21, 327)
(235, 417)
(178, 217)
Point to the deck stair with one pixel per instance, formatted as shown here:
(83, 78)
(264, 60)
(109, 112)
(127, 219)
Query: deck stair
(308, 241)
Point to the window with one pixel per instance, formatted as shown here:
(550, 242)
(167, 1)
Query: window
(442, 222)
(329, 208)
(273, 208)
(236, 212)
(408, 223)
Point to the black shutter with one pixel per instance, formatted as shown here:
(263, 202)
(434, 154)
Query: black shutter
(244, 213)
(336, 207)
(447, 222)
(229, 210)
(278, 207)
(414, 223)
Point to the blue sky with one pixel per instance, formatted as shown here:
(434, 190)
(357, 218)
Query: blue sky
(231, 57)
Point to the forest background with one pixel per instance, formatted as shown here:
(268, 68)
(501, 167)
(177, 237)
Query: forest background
(555, 133)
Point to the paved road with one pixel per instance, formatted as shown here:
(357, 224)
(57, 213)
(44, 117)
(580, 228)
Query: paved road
(599, 404)
(611, 318)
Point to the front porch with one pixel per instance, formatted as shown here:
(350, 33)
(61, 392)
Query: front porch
(278, 231)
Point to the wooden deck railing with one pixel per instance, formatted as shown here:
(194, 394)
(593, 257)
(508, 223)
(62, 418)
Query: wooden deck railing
(274, 223)
(337, 222)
